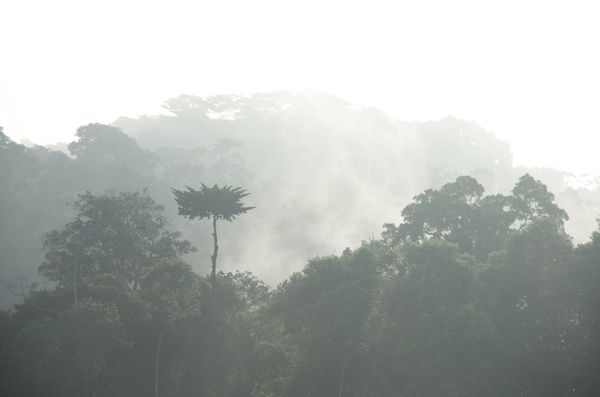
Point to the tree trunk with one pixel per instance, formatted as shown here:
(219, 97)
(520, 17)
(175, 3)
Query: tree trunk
(342, 376)
(213, 258)
(75, 280)
(77, 331)
(157, 361)
(96, 381)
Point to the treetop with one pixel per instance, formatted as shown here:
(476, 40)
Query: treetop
(220, 202)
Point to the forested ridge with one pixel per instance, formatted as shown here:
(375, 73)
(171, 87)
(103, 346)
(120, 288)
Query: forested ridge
(473, 286)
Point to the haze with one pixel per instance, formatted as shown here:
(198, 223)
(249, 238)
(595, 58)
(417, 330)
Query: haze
(524, 70)
(309, 199)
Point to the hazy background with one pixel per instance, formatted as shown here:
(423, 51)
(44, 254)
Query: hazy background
(526, 70)
(332, 114)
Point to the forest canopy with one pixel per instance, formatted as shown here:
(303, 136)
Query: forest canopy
(487, 292)
(327, 173)
(482, 281)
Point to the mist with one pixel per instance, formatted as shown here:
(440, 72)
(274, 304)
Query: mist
(324, 174)
(260, 199)
(329, 172)
(524, 71)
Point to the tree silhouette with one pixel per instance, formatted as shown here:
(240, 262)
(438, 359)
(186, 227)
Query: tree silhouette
(211, 203)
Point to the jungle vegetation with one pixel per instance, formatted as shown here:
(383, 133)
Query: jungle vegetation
(472, 284)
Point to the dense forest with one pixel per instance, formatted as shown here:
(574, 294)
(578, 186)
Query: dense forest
(382, 258)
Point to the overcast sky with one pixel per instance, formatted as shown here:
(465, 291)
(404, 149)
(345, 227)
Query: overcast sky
(527, 70)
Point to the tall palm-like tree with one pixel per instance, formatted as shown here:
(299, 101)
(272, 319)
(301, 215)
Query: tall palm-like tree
(212, 203)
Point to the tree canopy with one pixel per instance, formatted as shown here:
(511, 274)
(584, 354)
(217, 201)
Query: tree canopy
(472, 292)
(214, 202)
(208, 202)
(121, 234)
(482, 296)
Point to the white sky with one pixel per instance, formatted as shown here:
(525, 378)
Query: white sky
(527, 70)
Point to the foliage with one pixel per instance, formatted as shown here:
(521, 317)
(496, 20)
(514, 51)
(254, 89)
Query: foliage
(216, 203)
(471, 295)
(460, 214)
(532, 200)
(207, 202)
(120, 234)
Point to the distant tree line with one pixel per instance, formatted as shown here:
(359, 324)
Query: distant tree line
(471, 295)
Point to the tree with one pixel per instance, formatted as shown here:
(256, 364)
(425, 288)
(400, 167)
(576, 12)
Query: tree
(522, 292)
(492, 220)
(532, 200)
(67, 352)
(583, 294)
(458, 213)
(101, 143)
(172, 292)
(122, 234)
(325, 309)
(444, 214)
(430, 324)
(111, 159)
(212, 203)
